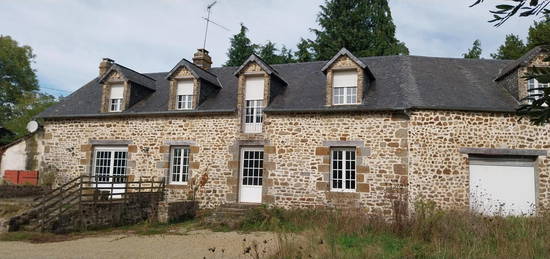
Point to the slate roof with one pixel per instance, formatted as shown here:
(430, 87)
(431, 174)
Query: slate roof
(196, 71)
(131, 75)
(402, 82)
(522, 61)
(267, 68)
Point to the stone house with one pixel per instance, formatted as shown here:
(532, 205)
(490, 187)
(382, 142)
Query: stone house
(345, 132)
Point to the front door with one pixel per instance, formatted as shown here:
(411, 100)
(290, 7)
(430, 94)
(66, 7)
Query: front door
(251, 176)
(109, 169)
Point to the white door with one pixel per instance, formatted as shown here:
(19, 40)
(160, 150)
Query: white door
(251, 176)
(109, 169)
(502, 188)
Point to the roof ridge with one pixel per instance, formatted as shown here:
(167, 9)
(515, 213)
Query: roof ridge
(134, 71)
(201, 68)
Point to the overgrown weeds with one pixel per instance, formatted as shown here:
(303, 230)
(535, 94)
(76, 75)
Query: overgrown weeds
(428, 233)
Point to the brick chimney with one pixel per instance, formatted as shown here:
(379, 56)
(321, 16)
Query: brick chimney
(104, 65)
(202, 59)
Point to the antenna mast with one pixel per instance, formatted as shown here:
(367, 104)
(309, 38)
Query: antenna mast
(207, 22)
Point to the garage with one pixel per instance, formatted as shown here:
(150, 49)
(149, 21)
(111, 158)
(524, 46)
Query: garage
(504, 186)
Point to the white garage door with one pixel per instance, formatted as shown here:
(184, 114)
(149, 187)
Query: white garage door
(502, 188)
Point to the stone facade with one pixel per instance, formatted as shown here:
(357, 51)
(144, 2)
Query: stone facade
(114, 78)
(420, 151)
(345, 63)
(415, 151)
(439, 172)
(522, 83)
(183, 74)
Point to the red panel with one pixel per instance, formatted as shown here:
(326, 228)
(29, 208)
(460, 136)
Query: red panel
(10, 176)
(21, 177)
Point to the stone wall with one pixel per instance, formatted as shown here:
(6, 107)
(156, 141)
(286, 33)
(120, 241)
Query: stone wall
(420, 151)
(69, 145)
(439, 172)
(537, 61)
(300, 146)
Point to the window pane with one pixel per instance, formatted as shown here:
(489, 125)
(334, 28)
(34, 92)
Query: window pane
(252, 167)
(179, 167)
(343, 169)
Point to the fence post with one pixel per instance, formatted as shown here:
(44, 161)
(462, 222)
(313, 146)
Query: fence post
(61, 206)
(42, 212)
(80, 203)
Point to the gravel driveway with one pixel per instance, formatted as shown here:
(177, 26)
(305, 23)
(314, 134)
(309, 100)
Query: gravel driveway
(194, 244)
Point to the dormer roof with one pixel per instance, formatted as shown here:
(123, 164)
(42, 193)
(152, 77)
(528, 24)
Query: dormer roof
(267, 68)
(522, 61)
(196, 71)
(130, 75)
(345, 52)
(402, 83)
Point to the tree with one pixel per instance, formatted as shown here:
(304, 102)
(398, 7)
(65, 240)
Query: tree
(513, 48)
(26, 108)
(364, 27)
(267, 53)
(304, 52)
(475, 51)
(539, 33)
(16, 75)
(271, 55)
(538, 111)
(241, 48)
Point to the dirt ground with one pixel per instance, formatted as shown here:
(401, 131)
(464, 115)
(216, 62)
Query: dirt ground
(193, 244)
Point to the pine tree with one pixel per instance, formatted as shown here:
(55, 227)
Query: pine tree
(513, 48)
(241, 48)
(475, 51)
(364, 27)
(539, 33)
(271, 55)
(267, 53)
(304, 52)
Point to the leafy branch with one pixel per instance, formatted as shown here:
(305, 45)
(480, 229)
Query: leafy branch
(524, 8)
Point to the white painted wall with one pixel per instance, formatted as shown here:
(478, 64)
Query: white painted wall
(502, 189)
(14, 158)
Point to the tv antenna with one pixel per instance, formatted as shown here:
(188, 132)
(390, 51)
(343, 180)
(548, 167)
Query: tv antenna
(208, 21)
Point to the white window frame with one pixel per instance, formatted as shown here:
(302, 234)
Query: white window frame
(536, 93)
(348, 92)
(255, 172)
(182, 166)
(344, 179)
(253, 116)
(184, 102)
(184, 94)
(115, 105)
(111, 164)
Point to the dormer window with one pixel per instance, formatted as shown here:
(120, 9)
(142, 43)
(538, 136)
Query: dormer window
(345, 87)
(115, 100)
(254, 97)
(184, 95)
(535, 89)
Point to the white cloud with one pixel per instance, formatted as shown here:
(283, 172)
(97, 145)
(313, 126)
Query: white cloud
(70, 37)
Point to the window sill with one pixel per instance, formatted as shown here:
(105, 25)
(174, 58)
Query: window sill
(346, 104)
(177, 186)
(343, 191)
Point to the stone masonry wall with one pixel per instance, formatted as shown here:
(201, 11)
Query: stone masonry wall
(301, 159)
(69, 148)
(421, 151)
(438, 172)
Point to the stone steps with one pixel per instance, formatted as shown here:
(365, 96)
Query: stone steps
(230, 214)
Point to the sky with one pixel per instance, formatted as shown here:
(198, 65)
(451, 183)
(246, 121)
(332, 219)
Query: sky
(70, 37)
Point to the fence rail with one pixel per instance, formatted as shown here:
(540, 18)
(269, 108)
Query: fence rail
(90, 191)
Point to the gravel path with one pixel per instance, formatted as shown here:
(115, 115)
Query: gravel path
(194, 244)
